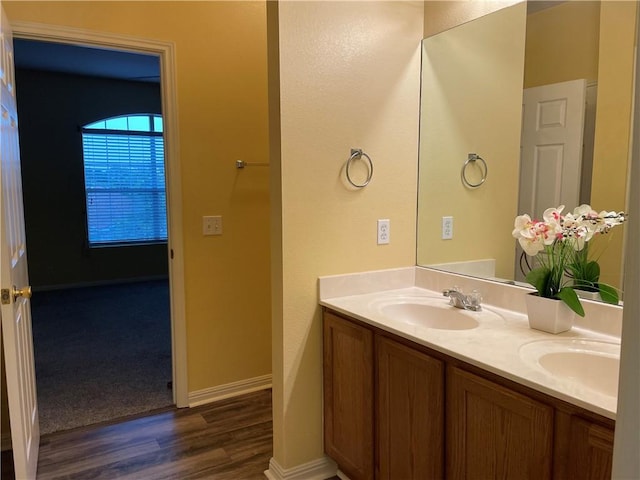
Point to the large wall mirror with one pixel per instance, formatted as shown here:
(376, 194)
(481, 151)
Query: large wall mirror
(476, 81)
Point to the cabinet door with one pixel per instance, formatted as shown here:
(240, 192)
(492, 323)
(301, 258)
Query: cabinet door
(410, 396)
(348, 396)
(493, 432)
(590, 451)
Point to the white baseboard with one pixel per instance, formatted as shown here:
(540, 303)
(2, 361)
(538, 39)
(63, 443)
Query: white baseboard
(319, 469)
(208, 395)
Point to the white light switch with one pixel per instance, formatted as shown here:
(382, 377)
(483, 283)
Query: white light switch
(212, 225)
(447, 228)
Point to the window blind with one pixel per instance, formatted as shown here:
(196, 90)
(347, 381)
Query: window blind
(125, 187)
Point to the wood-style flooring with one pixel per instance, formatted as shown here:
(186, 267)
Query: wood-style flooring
(228, 439)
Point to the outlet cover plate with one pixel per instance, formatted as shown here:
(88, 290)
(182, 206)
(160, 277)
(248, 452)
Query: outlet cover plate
(384, 233)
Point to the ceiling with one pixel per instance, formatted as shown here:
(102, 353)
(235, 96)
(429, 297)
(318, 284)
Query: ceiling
(94, 62)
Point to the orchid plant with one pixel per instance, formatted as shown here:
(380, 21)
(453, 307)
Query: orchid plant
(559, 242)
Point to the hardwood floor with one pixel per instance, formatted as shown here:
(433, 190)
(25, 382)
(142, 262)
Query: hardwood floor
(229, 439)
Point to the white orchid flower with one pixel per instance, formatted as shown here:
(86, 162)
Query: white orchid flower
(523, 223)
(531, 246)
(553, 215)
(585, 211)
(610, 220)
(533, 236)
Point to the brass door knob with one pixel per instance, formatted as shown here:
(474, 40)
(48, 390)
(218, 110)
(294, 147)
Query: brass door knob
(21, 292)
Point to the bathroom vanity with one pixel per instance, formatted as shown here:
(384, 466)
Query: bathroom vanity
(408, 397)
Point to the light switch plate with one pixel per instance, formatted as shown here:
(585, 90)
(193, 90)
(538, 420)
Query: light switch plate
(212, 225)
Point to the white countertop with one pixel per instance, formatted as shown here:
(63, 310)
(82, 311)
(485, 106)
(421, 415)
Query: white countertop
(495, 345)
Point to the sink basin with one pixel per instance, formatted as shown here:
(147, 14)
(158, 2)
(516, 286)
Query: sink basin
(430, 316)
(590, 364)
(430, 312)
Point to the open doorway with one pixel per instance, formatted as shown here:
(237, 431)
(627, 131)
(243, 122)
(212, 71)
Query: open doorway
(101, 313)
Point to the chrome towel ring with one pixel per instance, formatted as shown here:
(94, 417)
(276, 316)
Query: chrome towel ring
(356, 154)
(471, 160)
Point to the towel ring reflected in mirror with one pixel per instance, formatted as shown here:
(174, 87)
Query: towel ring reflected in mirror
(472, 160)
(356, 154)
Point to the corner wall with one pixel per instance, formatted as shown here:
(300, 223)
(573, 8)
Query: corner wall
(349, 76)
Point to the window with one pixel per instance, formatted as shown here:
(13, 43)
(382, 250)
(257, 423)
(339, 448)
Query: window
(124, 180)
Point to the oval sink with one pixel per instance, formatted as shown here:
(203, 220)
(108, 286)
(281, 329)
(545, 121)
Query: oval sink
(591, 364)
(429, 316)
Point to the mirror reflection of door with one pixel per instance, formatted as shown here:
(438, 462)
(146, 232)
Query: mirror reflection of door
(553, 133)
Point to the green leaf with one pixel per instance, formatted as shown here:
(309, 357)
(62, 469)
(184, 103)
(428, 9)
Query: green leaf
(539, 278)
(592, 272)
(568, 296)
(608, 293)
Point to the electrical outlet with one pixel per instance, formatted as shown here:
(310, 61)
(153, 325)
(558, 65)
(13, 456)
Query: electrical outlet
(447, 228)
(383, 231)
(212, 225)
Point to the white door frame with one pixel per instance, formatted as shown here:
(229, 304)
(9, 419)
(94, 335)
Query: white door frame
(166, 52)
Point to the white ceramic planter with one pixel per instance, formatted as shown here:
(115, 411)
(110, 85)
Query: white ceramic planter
(548, 314)
(588, 295)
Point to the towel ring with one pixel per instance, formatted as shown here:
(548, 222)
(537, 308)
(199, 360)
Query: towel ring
(472, 159)
(357, 153)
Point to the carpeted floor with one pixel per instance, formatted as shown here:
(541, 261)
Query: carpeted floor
(101, 353)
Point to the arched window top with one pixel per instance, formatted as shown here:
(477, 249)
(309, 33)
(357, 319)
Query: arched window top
(129, 123)
(124, 180)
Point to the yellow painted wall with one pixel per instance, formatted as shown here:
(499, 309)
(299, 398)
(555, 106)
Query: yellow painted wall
(445, 14)
(223, 116)
(349, 77)
(562, 43)
(613, 123)
(471, 103)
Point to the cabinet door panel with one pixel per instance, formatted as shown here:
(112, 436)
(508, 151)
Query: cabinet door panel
(410, 396)
(493, 432)
(591, 450)
(348, 396)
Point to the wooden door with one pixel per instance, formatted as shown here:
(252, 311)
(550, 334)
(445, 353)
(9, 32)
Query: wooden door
(553, 119)
(410, 413)
(493, 432)
(348, 396)
(16, 312)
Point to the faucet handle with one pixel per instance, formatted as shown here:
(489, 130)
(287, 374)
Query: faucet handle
(474, 299)
(448, 291)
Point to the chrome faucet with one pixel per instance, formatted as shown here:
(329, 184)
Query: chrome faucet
(460, 300)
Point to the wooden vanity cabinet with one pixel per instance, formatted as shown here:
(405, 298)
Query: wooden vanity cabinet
(348, 396)
(410, 412)
(494, 428)
(494, 432)
(408, 398)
